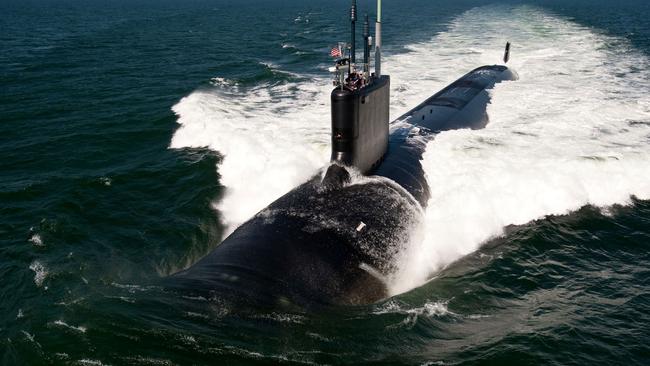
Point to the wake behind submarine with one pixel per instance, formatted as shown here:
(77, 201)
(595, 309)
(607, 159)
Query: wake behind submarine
(334, 239)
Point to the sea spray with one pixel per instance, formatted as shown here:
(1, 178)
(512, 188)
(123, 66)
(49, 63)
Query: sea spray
(547, 150)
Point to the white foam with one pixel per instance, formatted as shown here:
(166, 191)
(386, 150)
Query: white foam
(282, 318)
(61, 323)
(89, 362)
(141, 360)
(559, 138)
(428, 309)
(431, 309)
(40, 272)
(271, 140)
(29, 336)
(187, 339)
(36, 240)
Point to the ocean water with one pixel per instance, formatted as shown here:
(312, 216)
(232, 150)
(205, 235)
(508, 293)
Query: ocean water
(135, 135)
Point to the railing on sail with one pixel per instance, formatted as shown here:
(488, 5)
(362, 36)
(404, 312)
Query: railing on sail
(356, 79)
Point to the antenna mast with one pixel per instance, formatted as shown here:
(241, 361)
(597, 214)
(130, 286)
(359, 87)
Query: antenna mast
(353, 19)
(378, 41)
(366, 48)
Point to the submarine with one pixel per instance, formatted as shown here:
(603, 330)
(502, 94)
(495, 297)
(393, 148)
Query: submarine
(334, 239)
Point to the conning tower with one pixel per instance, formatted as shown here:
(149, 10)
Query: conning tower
(360, 103)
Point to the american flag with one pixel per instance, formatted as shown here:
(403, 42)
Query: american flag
(335, 52)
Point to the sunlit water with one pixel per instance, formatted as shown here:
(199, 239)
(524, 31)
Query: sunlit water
(136, 136)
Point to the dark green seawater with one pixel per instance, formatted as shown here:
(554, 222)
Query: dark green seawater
(104, 189)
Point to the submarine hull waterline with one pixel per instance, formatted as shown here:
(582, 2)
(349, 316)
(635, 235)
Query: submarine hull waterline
(335, 238)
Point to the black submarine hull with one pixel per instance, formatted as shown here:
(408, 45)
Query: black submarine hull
(335, 238)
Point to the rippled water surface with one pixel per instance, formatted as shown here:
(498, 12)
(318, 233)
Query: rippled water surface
(135, 135)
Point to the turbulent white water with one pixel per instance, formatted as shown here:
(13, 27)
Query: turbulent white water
(574, 130)
(271, 141)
